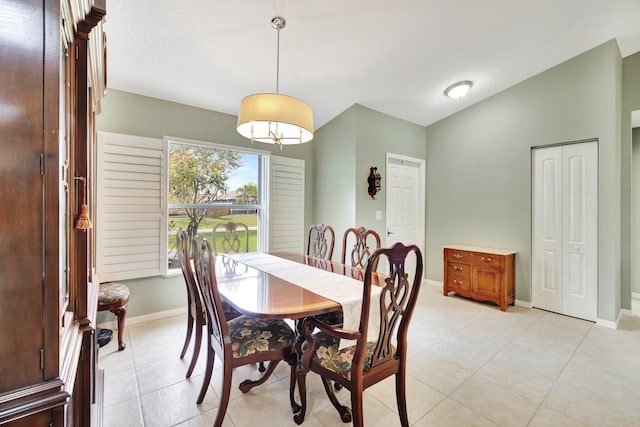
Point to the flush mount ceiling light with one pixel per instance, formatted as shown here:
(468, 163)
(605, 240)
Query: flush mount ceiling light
(459, 89)
(274, 118)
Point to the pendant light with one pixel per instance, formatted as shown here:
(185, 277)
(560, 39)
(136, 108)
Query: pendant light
(274, 118)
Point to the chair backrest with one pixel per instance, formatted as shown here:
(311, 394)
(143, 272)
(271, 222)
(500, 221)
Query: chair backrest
(361, 250)
(397, 303)
(231, 242)
(184, 257)
(321, 241)
(204, 261)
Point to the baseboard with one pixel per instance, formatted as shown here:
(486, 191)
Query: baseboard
(113, 324)
(626, 312)
(433, 283)
(520, 303)
(635, 295)
(608, 323)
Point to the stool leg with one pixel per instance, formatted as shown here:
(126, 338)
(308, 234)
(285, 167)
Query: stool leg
(121, 313)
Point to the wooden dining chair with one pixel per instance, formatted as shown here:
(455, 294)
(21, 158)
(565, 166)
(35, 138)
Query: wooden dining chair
(240, 341)
(367, 362)
(235, 233)
(320, 241)
(196, 318)
(363, 245)
(363, 241)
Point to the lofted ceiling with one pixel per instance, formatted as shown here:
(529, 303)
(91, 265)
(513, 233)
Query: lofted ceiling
(396, 57)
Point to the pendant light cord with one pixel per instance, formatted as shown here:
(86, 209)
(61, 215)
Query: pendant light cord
(278, 64)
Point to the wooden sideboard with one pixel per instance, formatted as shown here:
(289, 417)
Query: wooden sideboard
(480, 273)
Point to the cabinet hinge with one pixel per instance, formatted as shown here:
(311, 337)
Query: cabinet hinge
(42, 164)
(42, 359)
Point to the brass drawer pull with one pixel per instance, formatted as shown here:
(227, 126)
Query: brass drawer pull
(458, 256)
(486, 259)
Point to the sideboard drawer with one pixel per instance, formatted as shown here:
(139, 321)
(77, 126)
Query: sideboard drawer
(459, 269)
(488, 259)
(460, 283)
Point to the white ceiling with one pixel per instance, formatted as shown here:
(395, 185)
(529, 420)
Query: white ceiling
(395, 57)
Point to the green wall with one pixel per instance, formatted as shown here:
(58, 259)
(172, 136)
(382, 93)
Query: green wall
(377, 135)
(479, 165)
(334, 157)
(346, 148)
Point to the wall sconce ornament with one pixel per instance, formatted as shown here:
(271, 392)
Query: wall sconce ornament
(373, 180)
(83, 222)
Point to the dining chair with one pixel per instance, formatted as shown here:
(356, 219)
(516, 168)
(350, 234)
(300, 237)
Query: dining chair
(363, 241)
(363, 244)
(232, 242)
(366, 363)
(196, 317)
(320, 241)
(240, 341)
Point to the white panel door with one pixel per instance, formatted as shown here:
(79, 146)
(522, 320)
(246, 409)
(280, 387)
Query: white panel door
(564, 232)
(405, 201)
(546, 272)
(580, 266)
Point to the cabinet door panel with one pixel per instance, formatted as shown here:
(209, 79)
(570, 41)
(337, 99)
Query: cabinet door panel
(486, 281)
(21, 197)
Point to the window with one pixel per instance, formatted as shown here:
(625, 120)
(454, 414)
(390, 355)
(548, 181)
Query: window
(140, 206)
(210, 185)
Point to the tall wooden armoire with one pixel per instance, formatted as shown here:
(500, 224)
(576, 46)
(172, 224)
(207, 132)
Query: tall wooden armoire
(52, 77)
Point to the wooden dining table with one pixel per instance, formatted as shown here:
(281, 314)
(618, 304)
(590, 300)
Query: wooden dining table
(260, 294)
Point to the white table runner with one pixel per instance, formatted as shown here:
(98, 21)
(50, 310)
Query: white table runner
(342, 289)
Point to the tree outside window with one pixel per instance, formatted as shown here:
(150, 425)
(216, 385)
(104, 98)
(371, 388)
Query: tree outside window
(206, 185)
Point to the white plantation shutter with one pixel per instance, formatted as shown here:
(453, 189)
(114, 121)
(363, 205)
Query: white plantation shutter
(131, 206)
(286, 204)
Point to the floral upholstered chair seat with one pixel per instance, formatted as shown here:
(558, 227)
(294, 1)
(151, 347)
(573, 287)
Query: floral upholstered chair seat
(251, 335)
(229, 311)
(111, 293)
(335, 318)
(329, 356)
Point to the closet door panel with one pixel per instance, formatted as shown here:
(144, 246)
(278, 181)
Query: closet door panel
(580, 188)
(547, 229)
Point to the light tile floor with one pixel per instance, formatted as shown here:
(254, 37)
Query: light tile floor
(469, 365)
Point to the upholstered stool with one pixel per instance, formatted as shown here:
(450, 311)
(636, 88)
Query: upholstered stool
(114, 297)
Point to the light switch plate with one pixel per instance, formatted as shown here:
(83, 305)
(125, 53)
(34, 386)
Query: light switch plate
(378, 215)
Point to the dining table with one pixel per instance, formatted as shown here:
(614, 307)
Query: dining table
(288, 285)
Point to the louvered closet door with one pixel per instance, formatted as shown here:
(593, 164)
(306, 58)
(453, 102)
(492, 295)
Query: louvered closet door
(565, 200)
